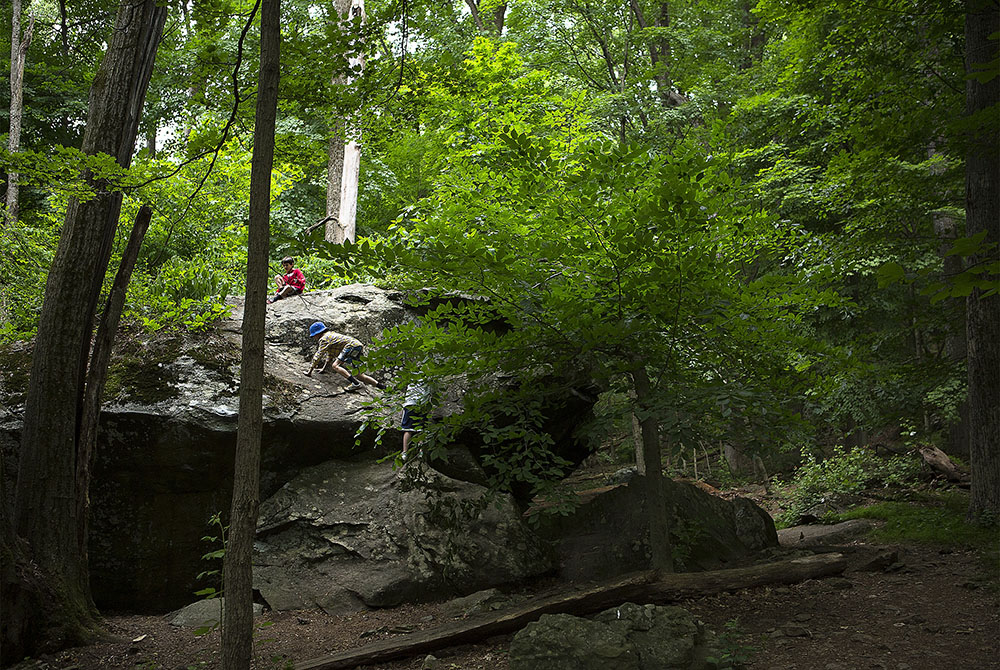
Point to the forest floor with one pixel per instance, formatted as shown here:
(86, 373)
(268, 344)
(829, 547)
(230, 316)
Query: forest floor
(932, 608)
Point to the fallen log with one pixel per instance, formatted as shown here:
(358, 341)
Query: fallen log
(940, 462)
(642, 588)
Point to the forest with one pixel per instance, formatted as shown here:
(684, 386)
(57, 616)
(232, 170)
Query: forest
(765, 231)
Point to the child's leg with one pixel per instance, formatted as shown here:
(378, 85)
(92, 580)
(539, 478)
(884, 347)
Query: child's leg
(371, 381)
(339, 369)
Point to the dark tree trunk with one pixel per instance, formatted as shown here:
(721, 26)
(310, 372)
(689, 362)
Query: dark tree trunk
(237, 634)
(658, 516)
(97, 372)
(982, 214)
(47, 495)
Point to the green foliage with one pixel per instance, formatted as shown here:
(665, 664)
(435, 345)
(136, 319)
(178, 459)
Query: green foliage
(845, 472)
(214, 575)
(734, 649)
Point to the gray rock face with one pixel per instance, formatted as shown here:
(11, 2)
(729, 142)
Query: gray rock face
(346, 536)
(607, 535)
(167, 438)
(628, 637)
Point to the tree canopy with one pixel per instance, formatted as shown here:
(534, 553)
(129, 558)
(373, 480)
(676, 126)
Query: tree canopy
(740, 221)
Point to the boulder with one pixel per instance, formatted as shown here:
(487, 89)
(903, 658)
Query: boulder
(606, 534)
(204, 614)
(345, 536)
(166, 445)
(628, 637)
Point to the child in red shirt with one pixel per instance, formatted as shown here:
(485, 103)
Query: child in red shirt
(289, 284)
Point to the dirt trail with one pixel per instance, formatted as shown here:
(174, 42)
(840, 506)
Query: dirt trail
(916, 608)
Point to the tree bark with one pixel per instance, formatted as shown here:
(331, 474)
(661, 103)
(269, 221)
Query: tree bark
(658, 517)
(660, 54)
(237, 631)
(347, 217)
(46, 509)
(97, 371)
(335, 150)
(982, 204)
(18, 57)
(641, 588)
(499, 15)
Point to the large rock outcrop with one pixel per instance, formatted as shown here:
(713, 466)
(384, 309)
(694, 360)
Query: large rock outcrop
(607, 536)
(338, 529)
(168, 433)
(346, 536)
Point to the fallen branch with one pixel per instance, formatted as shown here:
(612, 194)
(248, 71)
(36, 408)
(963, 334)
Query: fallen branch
(642, 588)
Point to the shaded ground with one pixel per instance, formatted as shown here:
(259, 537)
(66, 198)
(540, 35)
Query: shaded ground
(929, 609)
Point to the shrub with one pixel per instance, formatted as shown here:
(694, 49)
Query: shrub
(846, 471)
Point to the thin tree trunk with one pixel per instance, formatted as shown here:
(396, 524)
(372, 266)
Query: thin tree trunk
(237, 632)
(97, 372)
(658, 517)
(46, 509)
(946, 231)
(982, 198)
(473, 6)
(63, 27)
(18, 57)
(660, 54)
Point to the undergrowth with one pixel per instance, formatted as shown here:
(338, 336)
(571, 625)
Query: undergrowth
(931, 518)
(847, 472)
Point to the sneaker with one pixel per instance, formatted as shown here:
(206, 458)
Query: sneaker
(270, 301)
(354, 386)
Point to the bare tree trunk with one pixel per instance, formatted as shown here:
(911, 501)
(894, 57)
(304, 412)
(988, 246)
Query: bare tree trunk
(347, 219)
(335, 151)
(18, 56)
(982, 202)
(237, 632)
(46, 505)
(658, 517)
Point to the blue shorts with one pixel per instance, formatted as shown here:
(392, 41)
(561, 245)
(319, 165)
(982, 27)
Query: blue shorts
(412, 422)
(351, 355)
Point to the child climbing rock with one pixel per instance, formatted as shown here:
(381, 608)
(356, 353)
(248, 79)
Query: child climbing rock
(338, 351)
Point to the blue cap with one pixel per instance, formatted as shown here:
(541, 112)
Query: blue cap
(316, 329)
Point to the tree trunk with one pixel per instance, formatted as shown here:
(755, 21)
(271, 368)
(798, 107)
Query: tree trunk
(18, 56)
(955, 347)
(335, 151)
(660, 54)
(47, 494)
(982, 203)
(658, 516)
(642, 588)
(97, 372)
(237, 632)
(346, 222)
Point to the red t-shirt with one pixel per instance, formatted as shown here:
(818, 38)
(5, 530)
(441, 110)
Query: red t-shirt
(296, 279)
